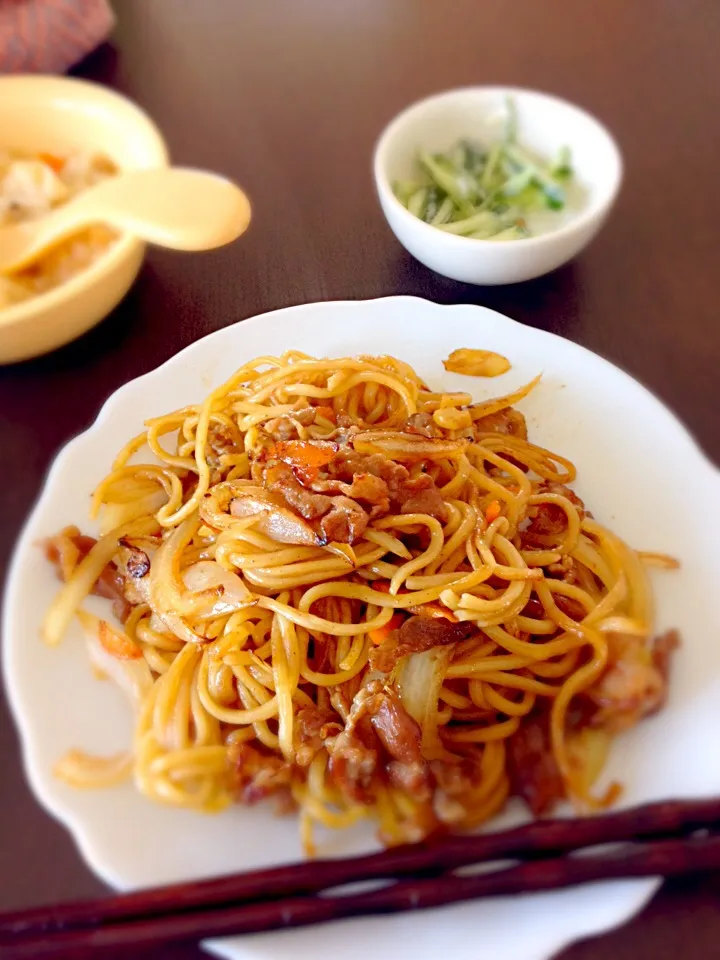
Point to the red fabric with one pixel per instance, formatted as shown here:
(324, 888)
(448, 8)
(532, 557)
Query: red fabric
(49, 36)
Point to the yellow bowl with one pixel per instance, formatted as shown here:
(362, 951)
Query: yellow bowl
(54, 115)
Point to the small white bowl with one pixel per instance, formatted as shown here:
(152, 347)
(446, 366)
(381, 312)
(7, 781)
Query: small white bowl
(545, 124)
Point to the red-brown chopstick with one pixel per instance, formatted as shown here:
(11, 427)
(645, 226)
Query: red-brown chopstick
(540, 836)
(287, 896)
(656, 858)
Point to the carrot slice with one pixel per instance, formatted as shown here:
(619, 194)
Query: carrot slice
(430, 609)
(327, 412)
(382, 633)
(54, 162)
(382, 586)
(435, 610)
(117, 644)
(493, 511)
(305, 456)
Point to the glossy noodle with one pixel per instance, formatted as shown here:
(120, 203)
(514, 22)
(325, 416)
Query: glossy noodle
(337, 588)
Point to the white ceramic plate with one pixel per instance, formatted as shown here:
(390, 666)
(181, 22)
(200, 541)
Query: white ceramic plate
(639, 471)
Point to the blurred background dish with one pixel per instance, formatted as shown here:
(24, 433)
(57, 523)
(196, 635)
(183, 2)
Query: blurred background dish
(59, 117)
(31, 186)
(174, 207)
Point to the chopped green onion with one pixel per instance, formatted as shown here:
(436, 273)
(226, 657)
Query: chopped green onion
(491, 167)
(416, 203)
(511, 123)
(485, 220)
(458, 156)
(432, 204)
(554, 194)
(561, 167)
(518, 182)
(511, 233)
(475, 158)
(445, 211)
(404, 189)
(483, 235)
(459, 187)
(486, 192)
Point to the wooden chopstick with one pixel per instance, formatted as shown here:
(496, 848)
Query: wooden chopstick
(656, 858)
(540, 836)
(291, 895)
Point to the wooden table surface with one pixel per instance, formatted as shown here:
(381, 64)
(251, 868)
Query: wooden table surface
(287, 97)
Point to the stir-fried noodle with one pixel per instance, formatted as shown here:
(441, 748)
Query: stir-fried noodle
(367, 599)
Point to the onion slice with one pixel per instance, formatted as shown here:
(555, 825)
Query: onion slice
(169, 598)
(84, 577)
(407, 446)
(476, 363)
(133, 676)
(488, 407)
(87, 772)
(209, 578)
(419, 679)
(117, 643)
(275, 521)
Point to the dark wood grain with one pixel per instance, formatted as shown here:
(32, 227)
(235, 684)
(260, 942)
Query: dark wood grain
(287, 96)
